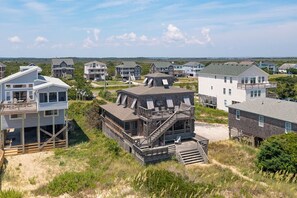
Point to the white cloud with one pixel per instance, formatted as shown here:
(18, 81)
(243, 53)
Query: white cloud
(14, 39)
(39, 40)
(93, 38)
(174, 35)
(36, 6)
(131, 38)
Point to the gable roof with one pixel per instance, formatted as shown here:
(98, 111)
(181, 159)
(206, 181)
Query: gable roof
(97, 62)
(19, 74)
(50, 81)
(269, 107)
(225, 69)
(162, 64)
(287, 66)
(58, 61)
(128, 64)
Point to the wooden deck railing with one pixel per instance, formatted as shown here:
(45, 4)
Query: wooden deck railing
(256, 86)
(18, 108)
(151, 151)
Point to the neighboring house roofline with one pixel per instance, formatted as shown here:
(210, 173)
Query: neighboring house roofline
(18, 74)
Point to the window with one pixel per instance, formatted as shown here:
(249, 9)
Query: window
(169, 102)
(133, 103)
(252, 94)
(150, 83)
(263, 78)
(246, 80)
(261, 121)
(288, 127)
(211, 87)
(187, 101)
(51, 113)
(7, 86)
(225, 103)
(242, 80)
(43, 97)
(145, 81)
(124, 100)
(215, 77)
(259, 93)
(53, 97)
(229, 91)
(237, 114)
(259, 79)
(119, 99)
(224, 90)
(230, 79)
(8, 96)
(18, 86)
(62, 96)
(17, 116)
(30, 85)
(150, 104)
(165, 82)
(30, 95)
(253, 80)
(225, 79)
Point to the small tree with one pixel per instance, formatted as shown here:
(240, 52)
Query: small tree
(278, 153)
(93, 114)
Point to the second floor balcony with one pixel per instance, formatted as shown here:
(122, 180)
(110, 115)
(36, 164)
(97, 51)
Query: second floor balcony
(18, 107)
(256, 85)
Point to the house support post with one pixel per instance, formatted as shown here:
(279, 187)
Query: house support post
(54, 134)
(66, 117)
(23, 133)
(38, 130)
(2, 134)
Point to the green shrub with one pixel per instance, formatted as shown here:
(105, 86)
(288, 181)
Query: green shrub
(279, 153)
(162, 183)
(71, 182)
(10, 194)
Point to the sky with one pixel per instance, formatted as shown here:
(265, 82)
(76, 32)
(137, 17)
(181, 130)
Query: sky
(148, 28)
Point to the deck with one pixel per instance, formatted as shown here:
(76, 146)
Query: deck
(18, 108)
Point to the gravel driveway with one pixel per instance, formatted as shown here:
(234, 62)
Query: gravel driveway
(213, 132)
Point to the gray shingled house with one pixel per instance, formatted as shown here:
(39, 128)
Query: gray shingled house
(147, 120)
(261, 118)
(128, 69)
(162, 67)
(62, 68)
(2, 70)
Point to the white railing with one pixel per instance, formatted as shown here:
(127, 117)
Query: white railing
(256, 86)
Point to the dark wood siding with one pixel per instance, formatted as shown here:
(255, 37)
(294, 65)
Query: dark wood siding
(249, 124)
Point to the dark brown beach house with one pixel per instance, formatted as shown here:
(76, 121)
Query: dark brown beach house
(155, 121)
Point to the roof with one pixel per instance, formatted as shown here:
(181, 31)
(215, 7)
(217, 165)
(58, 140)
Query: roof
(23, 68)
(127, 64)
(248, 62)
(146, 90)
(120, 112)
(158, 74)
(192, 64)
(230, 63)
(269, 107)
(50, 81)
(58, 61)
(19, 74)
(225, 69)
(2, 65)
(97, 62)
(162, 64)
(287, 66)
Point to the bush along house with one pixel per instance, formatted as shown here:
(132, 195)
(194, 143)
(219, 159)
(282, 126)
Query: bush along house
(258, 119)
(32, 112)
(155, 122)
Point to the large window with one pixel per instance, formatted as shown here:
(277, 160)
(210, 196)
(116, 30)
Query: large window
(261, 121)
(288, 127)
(43, 97)
(229, 91)
(53, 97)
(51, 113)
(16, 116)
(224, 90)
(246, 80)
(62, 96)
(259, 93)
(8, 96)
(225, 79)
(252, 94)
(237, 114)
(253, 80)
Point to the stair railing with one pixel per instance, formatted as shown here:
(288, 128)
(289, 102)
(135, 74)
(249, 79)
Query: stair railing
(202, 152)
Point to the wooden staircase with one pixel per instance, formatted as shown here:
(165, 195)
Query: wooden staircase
(190, 157)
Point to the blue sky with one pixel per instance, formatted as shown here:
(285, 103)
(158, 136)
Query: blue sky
(147, 28)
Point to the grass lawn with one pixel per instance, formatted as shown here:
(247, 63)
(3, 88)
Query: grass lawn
(210, 115)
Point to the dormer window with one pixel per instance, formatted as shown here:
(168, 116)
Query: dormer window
(187, 101)
(145, 81)
(124, 100)
(169, 103)
(150, 83)
(150, 104)
(119, 99)
(165, 82)
(133, 103)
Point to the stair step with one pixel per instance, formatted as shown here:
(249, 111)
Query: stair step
(189, 151)
(190, 154)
